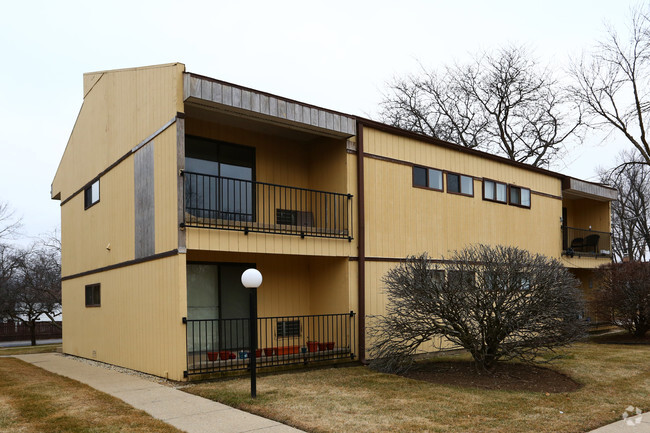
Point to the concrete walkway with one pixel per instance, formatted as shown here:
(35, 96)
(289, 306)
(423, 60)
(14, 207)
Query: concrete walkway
(184, 411)
(632, 424)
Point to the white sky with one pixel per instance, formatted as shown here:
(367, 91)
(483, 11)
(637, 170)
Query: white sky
(335, 54)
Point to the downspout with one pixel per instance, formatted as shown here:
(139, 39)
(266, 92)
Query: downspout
(362, 245)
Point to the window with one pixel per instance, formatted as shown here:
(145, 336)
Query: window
(437, 276)
(519, 196)
(494, 191)
(93, 295)
(220, 179)
(427, 178)
(91, 194)
(461, 279)
(460, 184)
(289, 328)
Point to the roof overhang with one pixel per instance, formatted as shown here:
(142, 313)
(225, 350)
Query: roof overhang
(573, 188)
(214, 95)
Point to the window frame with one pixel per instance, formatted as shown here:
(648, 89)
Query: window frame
(495, 182)
(520, 188)
(88, 194)
(460, 183)
(427, 171)
(95, 296)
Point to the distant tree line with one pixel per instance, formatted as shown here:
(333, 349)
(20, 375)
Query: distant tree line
(30, 278)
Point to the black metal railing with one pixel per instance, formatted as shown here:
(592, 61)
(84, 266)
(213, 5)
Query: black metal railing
(222, 345)
(234, 204)
(586, 242)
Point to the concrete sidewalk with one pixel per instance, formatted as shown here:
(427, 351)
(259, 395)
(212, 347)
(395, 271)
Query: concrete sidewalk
(633, 424)
(184, 411)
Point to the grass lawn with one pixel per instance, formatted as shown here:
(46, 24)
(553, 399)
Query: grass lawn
(25, 350)
(35, 400)
(358, 399)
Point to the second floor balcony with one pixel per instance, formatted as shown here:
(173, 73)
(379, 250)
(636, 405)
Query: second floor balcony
(586, 242)
(226, 203)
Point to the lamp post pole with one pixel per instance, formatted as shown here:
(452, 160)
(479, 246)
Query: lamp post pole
(252, 279)
(252, 358)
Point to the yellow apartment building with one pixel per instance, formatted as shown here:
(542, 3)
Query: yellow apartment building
(173, 183)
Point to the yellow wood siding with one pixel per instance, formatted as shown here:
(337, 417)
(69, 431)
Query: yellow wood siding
(139, 324)
(103, 234)
(402, 220)
(121, 109)
(585, 213)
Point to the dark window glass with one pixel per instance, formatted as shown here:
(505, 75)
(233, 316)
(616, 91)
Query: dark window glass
(290, 328)
(453, 182)
(219, 179)
(93, 295)
(419, 176)
(91, 194)
(519, 196)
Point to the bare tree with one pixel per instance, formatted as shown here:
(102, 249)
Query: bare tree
(623, 298)
(498, 302)
(9, 223)
(631, 210)
(504, 103)
(612, 83)
(32, 288)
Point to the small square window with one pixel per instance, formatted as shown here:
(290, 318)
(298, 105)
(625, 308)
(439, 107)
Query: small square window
(460, 184)
(519, 196)
(427, 178)
(91, 194)
(93, 295)
(494, 191)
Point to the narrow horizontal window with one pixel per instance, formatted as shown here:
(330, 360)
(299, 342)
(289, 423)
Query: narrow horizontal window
(427, 178)
(494, 191)
(519, 196)
(460, 184)
(93, 295)
(91, 194)
(290, 328)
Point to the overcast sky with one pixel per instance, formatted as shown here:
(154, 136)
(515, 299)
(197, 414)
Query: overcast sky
(334, 54)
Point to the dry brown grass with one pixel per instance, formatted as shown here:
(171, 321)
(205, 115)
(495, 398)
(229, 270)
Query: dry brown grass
(24, 350)
(34, 400)
(358, 399)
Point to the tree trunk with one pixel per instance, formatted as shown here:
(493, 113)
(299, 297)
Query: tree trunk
(32, 331)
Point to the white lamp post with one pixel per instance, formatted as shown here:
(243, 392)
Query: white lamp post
(252, 279)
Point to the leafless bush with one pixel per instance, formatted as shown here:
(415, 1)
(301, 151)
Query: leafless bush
(623, 298)
(499, 303)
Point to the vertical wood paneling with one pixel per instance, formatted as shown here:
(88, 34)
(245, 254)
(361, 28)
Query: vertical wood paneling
(139, 322)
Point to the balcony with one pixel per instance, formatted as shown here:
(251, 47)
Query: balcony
(222, 345)
(586, 242)
(225, 203)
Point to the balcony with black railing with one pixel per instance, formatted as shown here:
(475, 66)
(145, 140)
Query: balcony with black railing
(586, 242)
(222, 345)
(225, 203)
